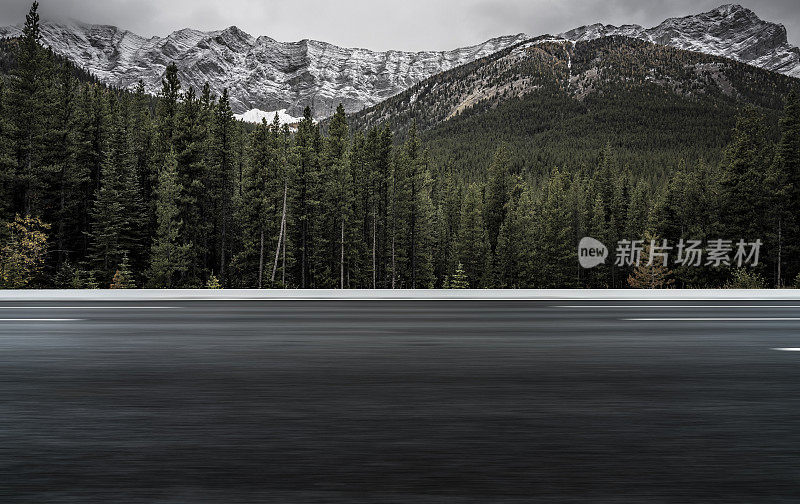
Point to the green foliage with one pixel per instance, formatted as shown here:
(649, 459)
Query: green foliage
(169, 258)
(472, 247)
(651, 273)
(70, 276)
(744, 279)
(116, 216)
(213, 283)
(22, 258)
(123, 277)
(493, 170)
(459, 279)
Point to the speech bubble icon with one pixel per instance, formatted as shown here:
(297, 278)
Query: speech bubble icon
(591, 253)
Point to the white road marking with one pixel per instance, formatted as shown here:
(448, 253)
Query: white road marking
(41, 319)
(87, 307)
(677, 307)
(738, 319)
(787, 349)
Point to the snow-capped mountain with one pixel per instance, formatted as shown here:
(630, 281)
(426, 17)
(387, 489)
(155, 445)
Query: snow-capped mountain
(730, 31)
(260, 73)
(263, 74)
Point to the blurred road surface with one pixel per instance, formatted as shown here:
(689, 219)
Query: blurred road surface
(399, 402)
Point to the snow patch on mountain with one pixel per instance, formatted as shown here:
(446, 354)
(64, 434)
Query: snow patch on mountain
(256, 116)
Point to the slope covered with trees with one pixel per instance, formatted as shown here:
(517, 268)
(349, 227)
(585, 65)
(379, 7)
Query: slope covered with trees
(486, 176)
(559, 104)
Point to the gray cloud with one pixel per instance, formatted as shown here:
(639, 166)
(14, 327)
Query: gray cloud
(375, 24)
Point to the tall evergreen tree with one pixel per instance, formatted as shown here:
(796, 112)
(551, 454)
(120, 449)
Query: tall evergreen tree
(599, 277)
(169, 257)
(261, 211)
(743, 178)
(473, 240)
(414, 215)
(555, 243)
(190, 144)
(332, 229)
(167, 111)
(141, 144)
(7, 162)
(116, 215)
(360, 264)
(516, 255)
(28, 109)
(306, 198)
(498, 191)
(70, 178)
(222, 181)
(783, 185)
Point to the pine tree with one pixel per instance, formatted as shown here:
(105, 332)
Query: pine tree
(516, 257)
(448, 221)
(332, 227)
(123, 277)
(498, 192)
(260, 215)
(360, 262)
(743, 178)
(744, 279)
(191, 137)
(141, 143)
(413, 216)
(380, 167)
(222, 181)
(306, 200)
(473, 240)
(167, 112)
(70, 177)
(116, 214)
(651, 275)
(169, 258)
(91, 138)
(783, 185)
(555, 245)
(28, 108)
(599, 277)
(7, 162)
(460, 280)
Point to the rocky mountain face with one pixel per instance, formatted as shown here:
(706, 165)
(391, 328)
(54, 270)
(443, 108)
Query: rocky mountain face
(263, 74)
(558, 103)
(260, 73)
(583, 75)
(730, 31)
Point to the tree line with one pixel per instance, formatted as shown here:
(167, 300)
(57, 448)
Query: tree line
(107, 188)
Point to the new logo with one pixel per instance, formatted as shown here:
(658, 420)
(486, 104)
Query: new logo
(591, 253)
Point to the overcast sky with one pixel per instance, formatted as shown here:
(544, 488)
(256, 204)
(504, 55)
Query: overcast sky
(381, 25)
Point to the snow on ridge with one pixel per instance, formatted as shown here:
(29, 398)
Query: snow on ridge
(256, 116)
(262, 74)
(730, 31)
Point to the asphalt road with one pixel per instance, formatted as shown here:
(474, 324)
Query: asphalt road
(399, 402)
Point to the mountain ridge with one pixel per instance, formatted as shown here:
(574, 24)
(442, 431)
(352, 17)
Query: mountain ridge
(260, 72)
(731, 31)
(263, 74)
(557, 104)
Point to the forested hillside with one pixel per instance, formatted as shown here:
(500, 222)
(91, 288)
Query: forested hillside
(520, 155)
(558, 104)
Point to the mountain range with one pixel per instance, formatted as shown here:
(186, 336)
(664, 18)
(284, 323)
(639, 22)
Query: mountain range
(556, 103)
(263, 74)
